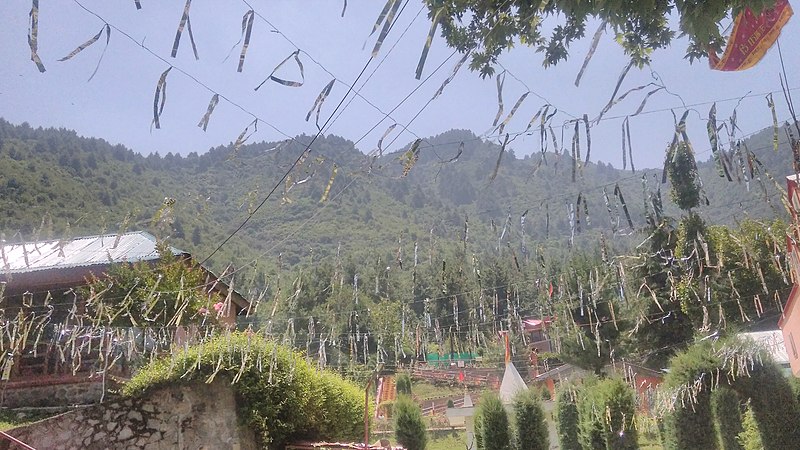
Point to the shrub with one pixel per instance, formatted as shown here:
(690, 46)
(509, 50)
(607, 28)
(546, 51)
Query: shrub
(494, 423)
(757, 378)
(773, 403)
(409, 428)
(531, 426)
(750, 438)
(478, 418)
(546, 393)
(691, 426)
(403, 384)
(125, 297)
(279, 395)
(607, 411)
(567, 418)
(728, 417)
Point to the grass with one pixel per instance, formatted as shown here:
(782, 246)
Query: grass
(423, 390)
(10, 419)
(6, 425)
(452, 441)
(458, 440)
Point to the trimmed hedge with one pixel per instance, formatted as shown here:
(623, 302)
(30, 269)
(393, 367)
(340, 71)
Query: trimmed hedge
(691, 426)
(279, 395)
(495, 430)
(750, 438)
(773, 403)
(530, 424)
(567, 417)
(728, 417)
(478, 420)
(403, 384)
(607, 411)
(409, 428)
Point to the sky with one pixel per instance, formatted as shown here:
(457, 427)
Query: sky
(117, 103)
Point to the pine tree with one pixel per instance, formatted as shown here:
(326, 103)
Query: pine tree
(494, 423)
(567, 418)
(403, 383)
(750, 437)
(409, 428)
(531, 426)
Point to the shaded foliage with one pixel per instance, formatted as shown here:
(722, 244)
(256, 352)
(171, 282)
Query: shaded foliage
(728, 417)
(750, 373)
(567, 419)
(607, 410)
(279, 395)
(494, 27)
(530, 426)
(409, 427)
(495, 427)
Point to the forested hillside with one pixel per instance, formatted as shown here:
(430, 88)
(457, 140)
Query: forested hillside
(55, 183)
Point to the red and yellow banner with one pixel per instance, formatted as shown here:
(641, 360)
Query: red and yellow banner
(751, 38)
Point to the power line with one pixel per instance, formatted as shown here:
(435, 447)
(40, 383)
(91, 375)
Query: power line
(299, 157)
(351, 87)
(283, 178)
(227, 99)
(179, 69)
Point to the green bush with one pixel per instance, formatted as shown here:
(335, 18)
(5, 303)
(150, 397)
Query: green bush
(403, 384)
(750, 438)
(794, 382)
(478, 418)
(567, 417)
(280, 396)
(728, 417)
(126, 297)
(691, 426)
(387, 407)
(409, 428)
(607, 411)
(773, 403)
(496, 434)
(531, 426)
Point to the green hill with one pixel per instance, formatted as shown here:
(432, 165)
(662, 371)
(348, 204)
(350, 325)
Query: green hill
(56, 183)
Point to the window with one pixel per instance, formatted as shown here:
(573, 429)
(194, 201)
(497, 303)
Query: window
(794, 349)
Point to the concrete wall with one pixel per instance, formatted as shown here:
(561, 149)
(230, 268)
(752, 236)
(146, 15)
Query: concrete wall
(193, 416)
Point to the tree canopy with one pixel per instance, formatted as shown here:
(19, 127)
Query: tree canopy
(488, 28)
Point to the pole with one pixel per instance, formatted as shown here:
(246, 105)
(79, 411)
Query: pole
(372, 376)
(366, 412)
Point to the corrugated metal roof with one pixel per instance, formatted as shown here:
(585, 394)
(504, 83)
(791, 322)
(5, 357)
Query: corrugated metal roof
(78, 252)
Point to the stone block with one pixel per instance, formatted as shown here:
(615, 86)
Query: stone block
(125, 434)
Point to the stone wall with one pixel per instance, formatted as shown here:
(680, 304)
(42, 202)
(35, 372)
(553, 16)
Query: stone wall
(52, 393)
(195, 416)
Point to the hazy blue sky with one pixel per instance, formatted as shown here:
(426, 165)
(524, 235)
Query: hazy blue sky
(117, 104)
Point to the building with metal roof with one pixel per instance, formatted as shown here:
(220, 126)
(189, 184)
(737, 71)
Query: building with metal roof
(79, 252)
(56, 265)
(41, 284)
